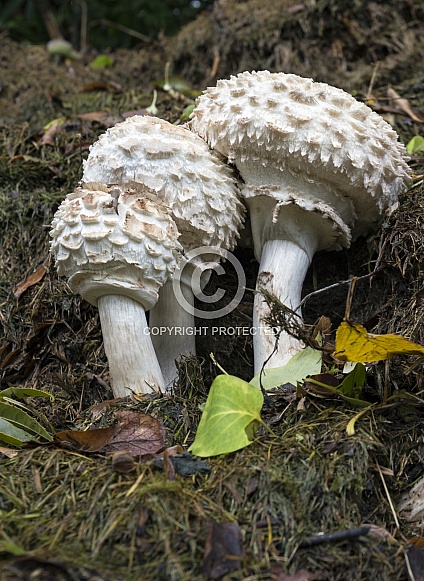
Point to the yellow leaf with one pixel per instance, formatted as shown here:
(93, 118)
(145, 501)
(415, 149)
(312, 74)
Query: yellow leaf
(353, 343)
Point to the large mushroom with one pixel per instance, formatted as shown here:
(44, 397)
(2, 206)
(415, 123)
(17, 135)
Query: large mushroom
(319, 168)
(202, 194)
(118, 246)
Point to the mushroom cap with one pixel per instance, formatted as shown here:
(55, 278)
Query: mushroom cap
(115, 240)
(272, 123)
(281, 215)
(180, 167)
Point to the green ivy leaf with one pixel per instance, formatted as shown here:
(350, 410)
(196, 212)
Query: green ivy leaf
(352, 384)
(415, 144)
(230, 417)
(101, 61)
(306, 362)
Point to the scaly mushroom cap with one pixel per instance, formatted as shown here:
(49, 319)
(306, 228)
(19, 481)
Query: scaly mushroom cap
(179, 166)
(265, 204)
(115, 240)
(325, 142)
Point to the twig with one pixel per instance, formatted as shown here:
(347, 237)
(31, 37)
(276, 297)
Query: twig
(335, 537)
(336, 284)
(122, 28)
(388, 496)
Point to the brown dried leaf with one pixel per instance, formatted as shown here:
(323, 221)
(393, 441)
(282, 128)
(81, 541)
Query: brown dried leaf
(49, 136)
(8, 452)
(403, 105)
(94, 440)
(415, 557)
(30, 281)
(223, 550)
(112, 87)
(325, 378)
(138, 433)
(97, 409)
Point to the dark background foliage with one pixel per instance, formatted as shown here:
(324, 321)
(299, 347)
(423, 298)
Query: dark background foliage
(101, 23)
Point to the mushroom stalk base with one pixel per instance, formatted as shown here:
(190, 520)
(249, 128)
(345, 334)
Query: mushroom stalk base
(173, 332)
(133, 364)
(282, 270)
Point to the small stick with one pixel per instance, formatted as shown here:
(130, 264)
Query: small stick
(388, 496)
(336, 284)
(335, 537)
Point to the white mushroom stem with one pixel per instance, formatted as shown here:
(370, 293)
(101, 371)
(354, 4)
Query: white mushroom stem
(282, 271)
(287, 230)
(132, 360)
(172, 329)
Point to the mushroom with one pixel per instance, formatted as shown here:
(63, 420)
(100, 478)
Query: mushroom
(319, 169)
(202, 194)
(118, 246)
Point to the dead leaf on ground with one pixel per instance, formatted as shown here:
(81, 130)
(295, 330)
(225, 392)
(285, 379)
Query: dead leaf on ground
(93, 440)
(30, 280)
(97, 409)
(49, 135)
(8, 452)
(403, 105)
(140, 433)
(415, 558)
(223, 550)
(379, 532)
(112, 87)
(136, 433)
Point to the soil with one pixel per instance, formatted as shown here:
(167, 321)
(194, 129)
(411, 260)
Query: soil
(70, 514)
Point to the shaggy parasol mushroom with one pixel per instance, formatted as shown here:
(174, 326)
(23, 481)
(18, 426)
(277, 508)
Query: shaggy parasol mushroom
(204, 200)
(319, 168)
(118, 246)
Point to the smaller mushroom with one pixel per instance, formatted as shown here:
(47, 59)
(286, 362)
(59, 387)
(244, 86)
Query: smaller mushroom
(203, 197)
(118, 246)
(319, 169)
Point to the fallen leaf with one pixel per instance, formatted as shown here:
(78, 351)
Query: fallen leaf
(50, 132)
(415, 557)
(306, 362)
(230, 417)
(8, 452)
(185, 464)
(353, 343)
(415, 144)
(100, 86)
(30, 281)
(93, 440)
(138, 433)
(403, 105)
(323, 382)
(223, 551)
(380, 532)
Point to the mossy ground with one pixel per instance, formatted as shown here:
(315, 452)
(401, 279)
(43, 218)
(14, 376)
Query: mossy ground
(70, 515)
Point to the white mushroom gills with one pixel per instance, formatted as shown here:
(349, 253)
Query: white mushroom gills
(118, 246)
(202, 194)
(314, 150)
